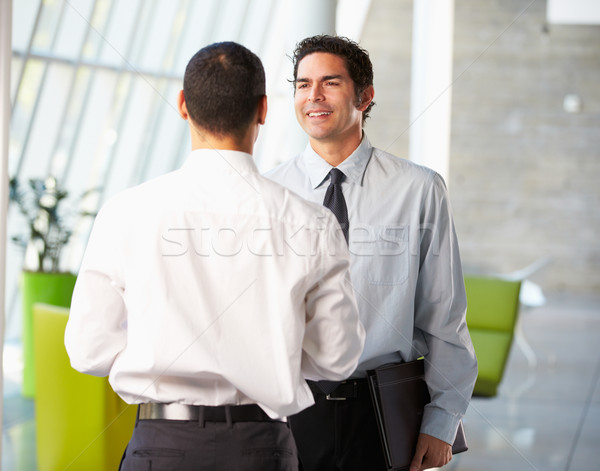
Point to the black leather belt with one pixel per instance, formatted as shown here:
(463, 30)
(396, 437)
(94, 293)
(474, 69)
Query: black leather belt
(175, 411)
(349, 389)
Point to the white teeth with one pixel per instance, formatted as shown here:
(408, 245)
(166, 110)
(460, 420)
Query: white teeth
(320, 113)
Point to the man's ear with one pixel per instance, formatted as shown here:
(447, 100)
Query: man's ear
(181, 106)
(366, 97)
(262, 109)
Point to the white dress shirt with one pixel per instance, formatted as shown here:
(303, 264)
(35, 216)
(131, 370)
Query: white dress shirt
(212, 285)
(405, 269)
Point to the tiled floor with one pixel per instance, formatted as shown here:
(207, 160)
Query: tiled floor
(546, 416)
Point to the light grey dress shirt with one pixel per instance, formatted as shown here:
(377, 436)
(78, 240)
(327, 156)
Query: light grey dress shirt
(405, 269)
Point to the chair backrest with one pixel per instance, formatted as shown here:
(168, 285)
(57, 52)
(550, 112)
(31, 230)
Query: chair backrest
(492, 310)
(492, 303)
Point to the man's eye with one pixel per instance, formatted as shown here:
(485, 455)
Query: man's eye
(332, 83)
(301, 85)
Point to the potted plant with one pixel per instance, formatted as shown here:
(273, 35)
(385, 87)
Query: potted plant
(48, 232)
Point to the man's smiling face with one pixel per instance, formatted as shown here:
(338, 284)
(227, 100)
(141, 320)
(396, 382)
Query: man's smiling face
(325, 100)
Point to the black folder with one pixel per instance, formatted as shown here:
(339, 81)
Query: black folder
(399, 394)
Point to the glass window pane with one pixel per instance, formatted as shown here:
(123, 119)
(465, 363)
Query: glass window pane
(158, 36)
(73, 28)
(46, 121)
(99, 21)
(46, 32)
(69, 131)
(92, 140)
(229, 20)
(168, 127)
(131, 139)
(69, 120)
(15, 72)
(197, 32)
(22, 113)
(24, 13)
(113, 124)
(138, 45)
(93, 126)
(123, 24)
(173, 50)
(256, 24)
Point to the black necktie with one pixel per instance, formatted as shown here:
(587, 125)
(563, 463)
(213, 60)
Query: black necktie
(334, 199)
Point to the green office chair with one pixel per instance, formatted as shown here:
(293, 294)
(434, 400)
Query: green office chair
(81, 424)
(492, 310)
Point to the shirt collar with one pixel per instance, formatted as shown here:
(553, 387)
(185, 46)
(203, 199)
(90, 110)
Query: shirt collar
(353, 167)
(219, 160)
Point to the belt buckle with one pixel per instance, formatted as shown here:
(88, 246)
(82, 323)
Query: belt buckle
(329, 397)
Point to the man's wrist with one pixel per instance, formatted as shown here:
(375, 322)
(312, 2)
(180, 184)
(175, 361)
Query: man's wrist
(440, 424)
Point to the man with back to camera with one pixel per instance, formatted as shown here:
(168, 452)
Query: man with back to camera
(405, 267)
(208, 294)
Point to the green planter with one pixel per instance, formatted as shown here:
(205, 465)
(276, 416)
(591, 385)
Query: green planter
(40, 287)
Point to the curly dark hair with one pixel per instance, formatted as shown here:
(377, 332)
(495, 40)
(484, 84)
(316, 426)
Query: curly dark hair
(357, 60)
(222, 86)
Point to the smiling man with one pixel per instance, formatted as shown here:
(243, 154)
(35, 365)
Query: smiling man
(327, 106)
(405, 267)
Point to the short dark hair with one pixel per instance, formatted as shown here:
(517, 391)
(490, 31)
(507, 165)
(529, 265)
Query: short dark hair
(357, 60)
(222, 86)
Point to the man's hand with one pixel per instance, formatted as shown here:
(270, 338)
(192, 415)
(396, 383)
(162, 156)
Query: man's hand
(431, 452)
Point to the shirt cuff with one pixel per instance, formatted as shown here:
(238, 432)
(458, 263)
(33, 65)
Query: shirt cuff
(440, 424)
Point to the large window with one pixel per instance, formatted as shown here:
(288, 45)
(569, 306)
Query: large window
(94, 87)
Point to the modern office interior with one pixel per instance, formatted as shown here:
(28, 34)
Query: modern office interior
(501, 98)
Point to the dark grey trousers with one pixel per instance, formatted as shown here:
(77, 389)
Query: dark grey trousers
(339, 435)
(158, 445)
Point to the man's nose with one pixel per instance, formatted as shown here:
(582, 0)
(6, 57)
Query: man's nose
(316, 94)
